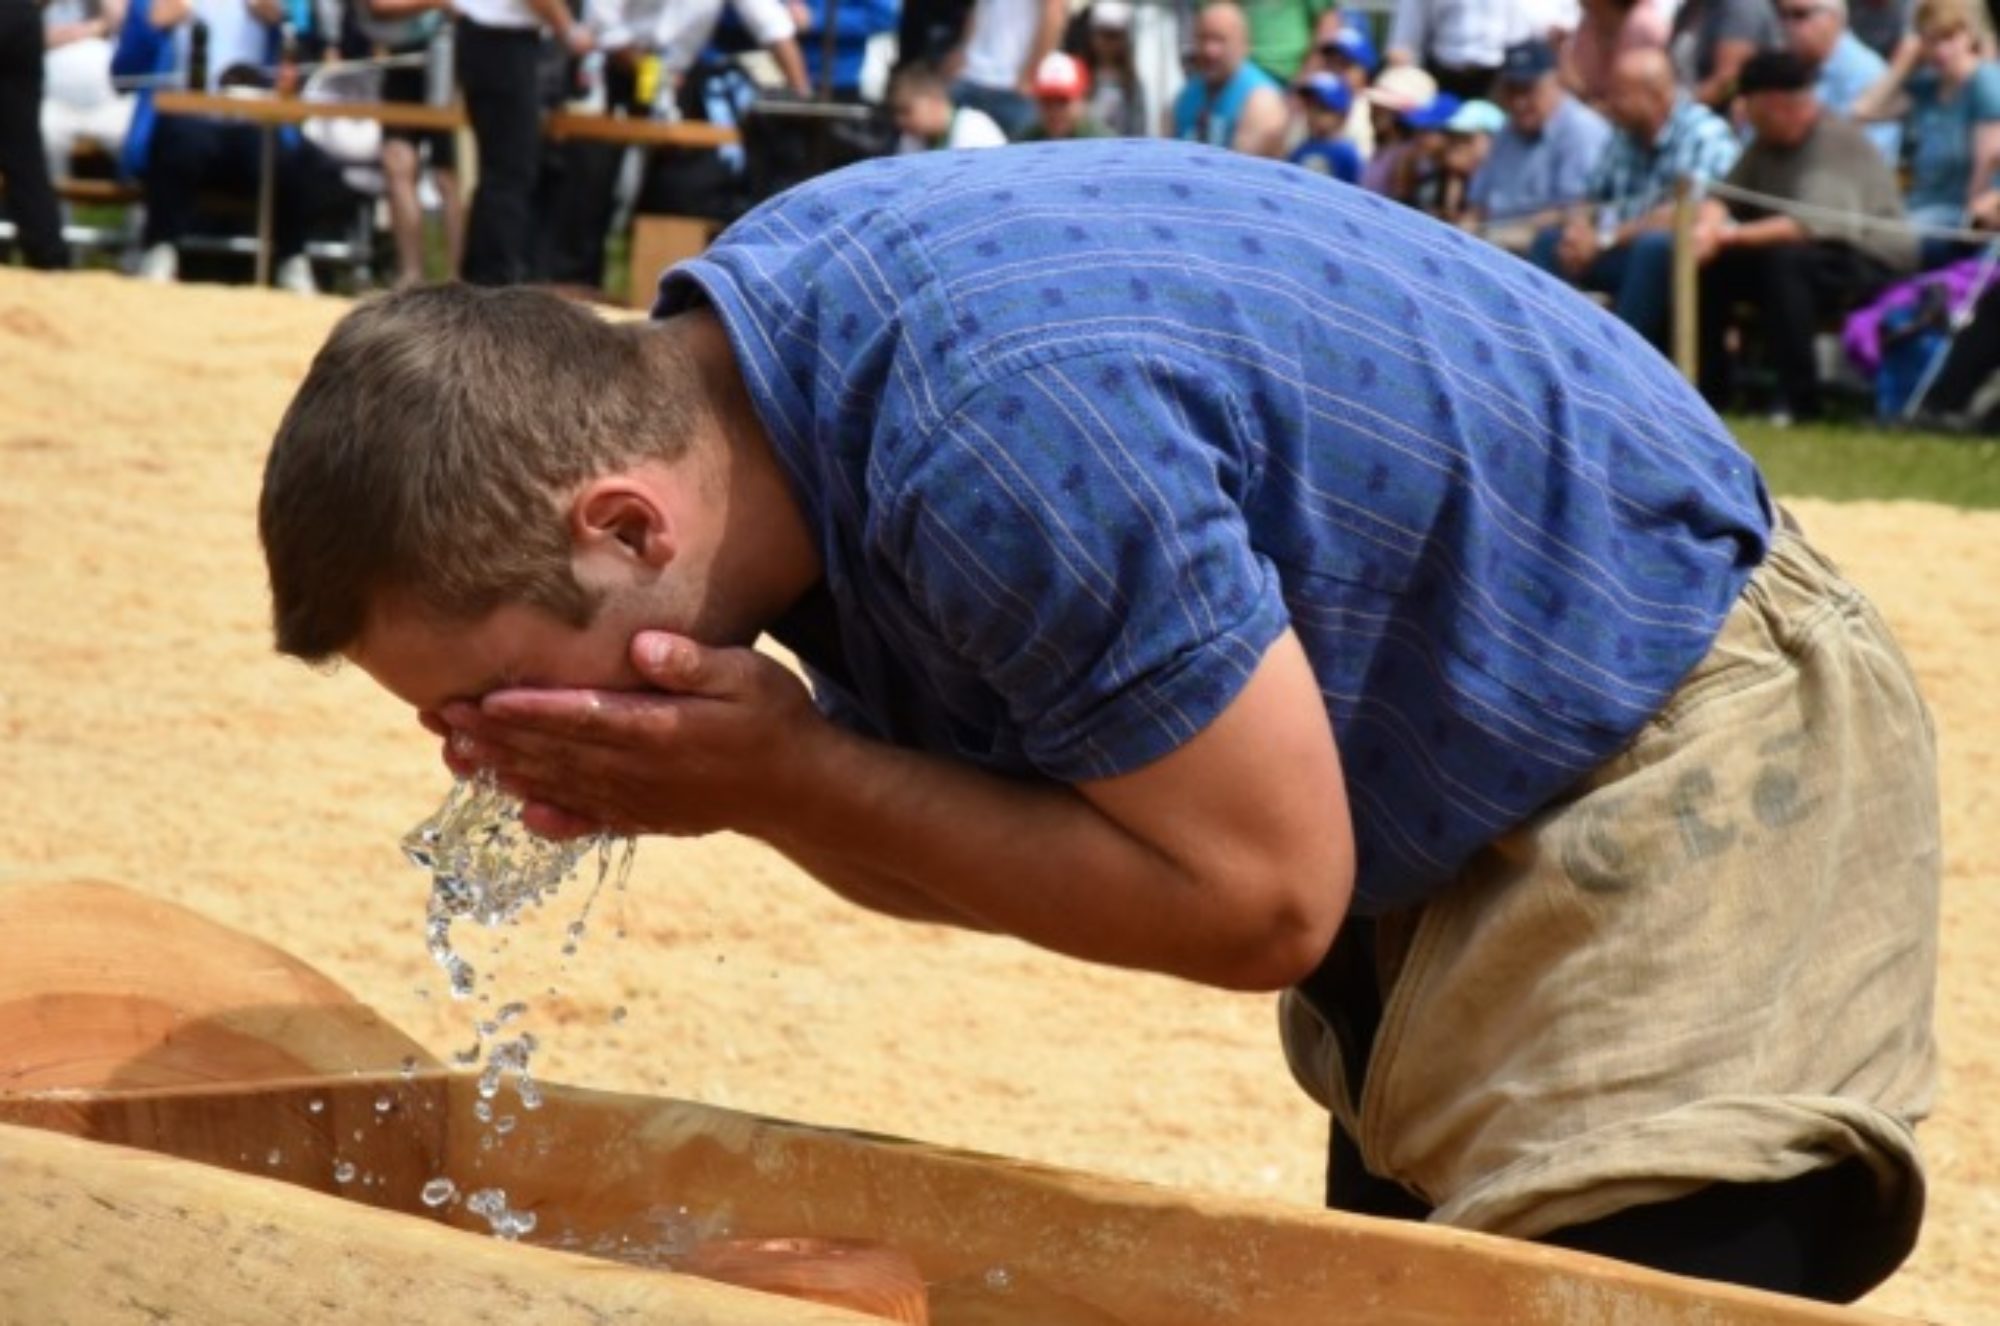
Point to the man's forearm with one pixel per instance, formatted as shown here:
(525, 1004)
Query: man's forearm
(920, 836)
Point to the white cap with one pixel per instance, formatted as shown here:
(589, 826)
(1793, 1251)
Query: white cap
(1115, 15)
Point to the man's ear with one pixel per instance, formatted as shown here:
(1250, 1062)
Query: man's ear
(623, 513)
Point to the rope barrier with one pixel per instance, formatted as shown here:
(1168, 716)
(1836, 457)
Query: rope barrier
(1857, 220)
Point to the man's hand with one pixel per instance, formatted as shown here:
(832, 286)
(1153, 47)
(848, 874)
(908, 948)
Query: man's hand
(709, 750)
(1577, 248)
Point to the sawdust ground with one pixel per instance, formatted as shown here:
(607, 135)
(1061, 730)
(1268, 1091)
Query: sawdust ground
(151, 737)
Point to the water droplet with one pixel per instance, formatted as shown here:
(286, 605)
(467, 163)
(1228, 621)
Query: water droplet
(409, 1066)
(384, 1104)
(343, 1171)
(504, 1124)
(439, 1191)
(274, 1157)
(483, 1110)
(315, 1106)
(999, 1279)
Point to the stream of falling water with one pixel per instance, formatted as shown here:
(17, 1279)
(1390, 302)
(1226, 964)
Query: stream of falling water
(487, 867)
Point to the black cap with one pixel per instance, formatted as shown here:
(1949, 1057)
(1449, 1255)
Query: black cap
(1775, 71)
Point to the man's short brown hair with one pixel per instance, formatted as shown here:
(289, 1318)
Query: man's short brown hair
(430, 447)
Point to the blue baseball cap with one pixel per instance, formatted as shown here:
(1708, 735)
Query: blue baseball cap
(1327, 91)
(1352, 44)
(1436, 115)
(1527, 61)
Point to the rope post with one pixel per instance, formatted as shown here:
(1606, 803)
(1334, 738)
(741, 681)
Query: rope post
(1686, 290)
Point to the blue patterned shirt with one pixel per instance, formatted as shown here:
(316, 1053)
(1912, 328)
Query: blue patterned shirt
(1082, 427)
(1632, 178)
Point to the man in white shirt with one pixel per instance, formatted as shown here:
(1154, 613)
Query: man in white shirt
(1461, 42)
(921, 101)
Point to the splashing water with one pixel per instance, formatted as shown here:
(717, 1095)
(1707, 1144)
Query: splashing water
(486, 866)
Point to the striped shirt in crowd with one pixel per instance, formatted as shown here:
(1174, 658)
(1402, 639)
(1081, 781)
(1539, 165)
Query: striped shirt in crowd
(1632, 178)
(1082, 428)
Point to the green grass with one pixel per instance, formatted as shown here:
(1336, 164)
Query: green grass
(1848, 462)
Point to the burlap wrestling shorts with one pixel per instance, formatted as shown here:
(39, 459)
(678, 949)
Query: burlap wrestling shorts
(1713, 961)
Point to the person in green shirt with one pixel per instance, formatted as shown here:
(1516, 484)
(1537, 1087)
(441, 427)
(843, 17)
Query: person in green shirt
(1281, 33)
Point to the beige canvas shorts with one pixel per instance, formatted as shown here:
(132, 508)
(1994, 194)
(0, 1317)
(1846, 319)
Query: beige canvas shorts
(1714, 960)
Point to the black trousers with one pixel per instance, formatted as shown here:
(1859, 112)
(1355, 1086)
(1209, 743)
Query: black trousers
(189, 155)
(31, 196)
(1789, 289)
(498, 71)
(1973, 358)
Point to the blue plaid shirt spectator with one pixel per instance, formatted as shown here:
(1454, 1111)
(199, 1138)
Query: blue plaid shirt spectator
(1632, 178)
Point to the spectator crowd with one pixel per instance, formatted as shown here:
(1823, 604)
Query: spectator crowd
(1842, 148)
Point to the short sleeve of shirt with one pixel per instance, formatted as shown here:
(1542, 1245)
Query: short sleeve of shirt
(1073, 535)
(1982, 92)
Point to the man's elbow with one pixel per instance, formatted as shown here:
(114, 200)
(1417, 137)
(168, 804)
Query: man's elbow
(1291, 933)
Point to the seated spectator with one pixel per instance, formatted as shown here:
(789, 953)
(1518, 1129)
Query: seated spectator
(1228, 101)
(1062, 90)
(177, 157)
(1792, 273)
(920, 99)
(1605, 30)
(1346, 50)
(1117, 98)
(79, 103)
(1816, 31)
(1711, 40)
(1415, 180)
(1395, 93)
(1626, 249)
(1468, 141)
(1325, 100)
(1953, 100)
(1542, 157)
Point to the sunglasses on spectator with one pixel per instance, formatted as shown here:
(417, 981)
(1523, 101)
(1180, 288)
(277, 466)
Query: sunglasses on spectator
(1802, 13)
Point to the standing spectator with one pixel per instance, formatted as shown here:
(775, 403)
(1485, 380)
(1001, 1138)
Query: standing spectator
(1281, 34)
(404, 30)
(1326, 101)
(1229, 102)
(78, 100)
(1117, 98)
(1005, 41)
(1816, 31)
(1062, 91)
(1626, 249)
(1542, 158)
(1954, 118)
(856, 23)
(1794, 272)
(1712, 39)
(1458, 44)
(31, 195)
(499, 54)
(1606, 30)
(920, 99)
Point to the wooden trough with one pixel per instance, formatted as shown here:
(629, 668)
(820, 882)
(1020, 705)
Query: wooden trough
(145, 1054)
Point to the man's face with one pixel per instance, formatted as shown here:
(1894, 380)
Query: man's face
(428, 663)
(1529, 103)
(1782, 119)
(1060, 115)
(1219, 45)
(1812, 29)
(1635, 105)
(922, 114)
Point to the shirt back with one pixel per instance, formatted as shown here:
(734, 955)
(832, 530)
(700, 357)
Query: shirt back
(1083, 427)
